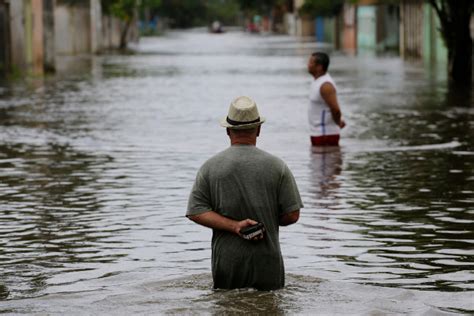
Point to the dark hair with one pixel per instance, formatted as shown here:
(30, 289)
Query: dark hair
(321, 59)
(242, 132)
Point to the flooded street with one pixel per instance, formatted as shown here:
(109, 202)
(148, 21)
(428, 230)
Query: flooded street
(96, 165)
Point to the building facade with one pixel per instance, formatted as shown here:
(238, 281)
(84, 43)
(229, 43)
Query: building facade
(34, 32)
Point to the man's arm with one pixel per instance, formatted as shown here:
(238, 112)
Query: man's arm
(215, 220)
(289, 218)
(328, 93)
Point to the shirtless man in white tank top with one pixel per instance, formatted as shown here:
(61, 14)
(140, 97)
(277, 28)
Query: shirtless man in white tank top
(325, 118)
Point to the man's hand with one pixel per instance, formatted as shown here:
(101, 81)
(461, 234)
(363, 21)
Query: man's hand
(342, 123)
(245, 223)
(214, 220)
(328, 93)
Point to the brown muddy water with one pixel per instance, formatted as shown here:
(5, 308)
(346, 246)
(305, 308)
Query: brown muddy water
(96, 164)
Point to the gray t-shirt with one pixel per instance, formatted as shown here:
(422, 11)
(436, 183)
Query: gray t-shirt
(246, 182)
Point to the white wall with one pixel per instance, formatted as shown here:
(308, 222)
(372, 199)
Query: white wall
(96, 26)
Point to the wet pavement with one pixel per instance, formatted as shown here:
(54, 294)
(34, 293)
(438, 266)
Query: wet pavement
(96, 164)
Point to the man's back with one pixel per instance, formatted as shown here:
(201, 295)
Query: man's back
(246, 182)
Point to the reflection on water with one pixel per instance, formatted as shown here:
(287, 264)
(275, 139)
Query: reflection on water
(54, 222)
(326, 165)
(97, 162)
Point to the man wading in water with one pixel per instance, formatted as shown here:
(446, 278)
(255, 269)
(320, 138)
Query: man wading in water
(237, 188)
(325, 118)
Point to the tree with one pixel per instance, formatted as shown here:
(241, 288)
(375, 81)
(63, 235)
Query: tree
(225, 11)
(455, 16)
(258, 6)
(322, 7)
(126, 10)
(184, 13)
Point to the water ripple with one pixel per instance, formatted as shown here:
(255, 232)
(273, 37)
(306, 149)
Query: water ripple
(96, 169)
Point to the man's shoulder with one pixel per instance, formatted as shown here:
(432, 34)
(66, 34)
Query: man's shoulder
(236, 153)
(271, 162)
(215, 159)
(270, 157)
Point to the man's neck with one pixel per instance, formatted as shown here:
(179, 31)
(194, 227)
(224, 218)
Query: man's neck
(316, 76)
(233, 143)
(244, 141)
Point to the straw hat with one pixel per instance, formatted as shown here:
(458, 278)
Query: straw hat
(243, 114)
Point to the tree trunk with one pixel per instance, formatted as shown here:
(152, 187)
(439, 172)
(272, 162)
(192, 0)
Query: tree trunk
(460, 50)
(455, 18)
(123, 36)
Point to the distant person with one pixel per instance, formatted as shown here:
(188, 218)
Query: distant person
(237, 188)
(216, 27)
(325, 118)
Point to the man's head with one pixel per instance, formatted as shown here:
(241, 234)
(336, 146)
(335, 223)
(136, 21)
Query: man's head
(243, 114)
(243, 121)
(318, 64)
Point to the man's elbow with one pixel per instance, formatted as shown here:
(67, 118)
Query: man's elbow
(192, 217)
(195, 218)
(290, 218)
(199, 218)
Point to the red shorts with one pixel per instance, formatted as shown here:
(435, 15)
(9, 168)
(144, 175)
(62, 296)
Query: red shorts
(325, 140)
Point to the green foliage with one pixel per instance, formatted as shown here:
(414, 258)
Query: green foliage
(259, 6)
(72, 3)
(125, 9)
(322, 7)
(183, 13)
(188, 13)
(225, 11)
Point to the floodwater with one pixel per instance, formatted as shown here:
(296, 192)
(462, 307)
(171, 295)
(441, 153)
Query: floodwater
(97, 162)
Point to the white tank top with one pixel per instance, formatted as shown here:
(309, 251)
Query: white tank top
(319, 114)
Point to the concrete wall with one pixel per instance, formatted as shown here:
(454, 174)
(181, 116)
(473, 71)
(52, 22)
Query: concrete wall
(34, 32)
(110, 32)
(30, 35)
(304, 25)
(349, 29)
(17, 35)
(290, 24)
(26, 43)
(73, 29)
(82, 29)
(96, 26)
(37, 47)
(48, 35)
(411, 28)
